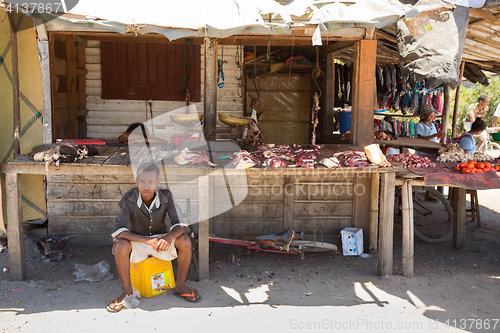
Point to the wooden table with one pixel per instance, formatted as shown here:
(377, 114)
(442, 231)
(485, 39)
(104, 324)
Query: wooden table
(415, 143)
(113, 160)
(407, 180)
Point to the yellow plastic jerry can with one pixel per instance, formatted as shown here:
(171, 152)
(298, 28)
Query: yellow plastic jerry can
(152, 276)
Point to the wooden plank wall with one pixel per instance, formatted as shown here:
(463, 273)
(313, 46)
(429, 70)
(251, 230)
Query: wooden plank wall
(297, 203)
(87, 206)
(107, 119)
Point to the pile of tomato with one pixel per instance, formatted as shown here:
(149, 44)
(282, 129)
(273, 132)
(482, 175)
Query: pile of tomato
(476, 167)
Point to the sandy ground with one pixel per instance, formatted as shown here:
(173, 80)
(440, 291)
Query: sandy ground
(453, 290)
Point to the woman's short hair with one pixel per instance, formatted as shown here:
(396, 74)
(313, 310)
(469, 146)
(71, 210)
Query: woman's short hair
(478, 125)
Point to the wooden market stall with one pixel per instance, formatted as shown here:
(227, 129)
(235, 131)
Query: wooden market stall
(89, 100)
(82, 198)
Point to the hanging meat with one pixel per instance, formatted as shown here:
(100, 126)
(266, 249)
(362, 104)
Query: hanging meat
(314, 117)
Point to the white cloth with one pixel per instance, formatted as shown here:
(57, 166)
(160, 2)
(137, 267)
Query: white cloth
(391, 151)
(468, 126)
(141, 251)
(497, 111)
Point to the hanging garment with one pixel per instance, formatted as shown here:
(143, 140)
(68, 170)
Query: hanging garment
(394, 85)
(411, 129)
(399, 79)
(396, 100)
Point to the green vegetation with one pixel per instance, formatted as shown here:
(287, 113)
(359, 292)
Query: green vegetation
(469, 96)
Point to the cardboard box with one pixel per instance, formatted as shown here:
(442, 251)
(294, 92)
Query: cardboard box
(352, 241)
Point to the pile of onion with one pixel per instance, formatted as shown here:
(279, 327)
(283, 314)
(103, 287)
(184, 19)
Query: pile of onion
(412, 160)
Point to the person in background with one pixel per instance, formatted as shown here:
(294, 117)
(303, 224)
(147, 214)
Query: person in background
(480, 107)
(467, 141)
(426, 129)
(496, 115)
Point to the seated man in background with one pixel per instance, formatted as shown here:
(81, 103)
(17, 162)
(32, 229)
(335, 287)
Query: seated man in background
(141, 231)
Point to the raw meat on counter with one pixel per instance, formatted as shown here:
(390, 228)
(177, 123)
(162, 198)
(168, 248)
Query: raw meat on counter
(331, 162)
(187, 156)
(353, 158)
(275, 162)
(244, 160)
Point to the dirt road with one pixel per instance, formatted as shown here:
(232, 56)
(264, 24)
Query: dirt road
(453, 290)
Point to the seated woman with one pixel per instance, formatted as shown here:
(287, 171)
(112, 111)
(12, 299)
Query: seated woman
(426, 129)
(137, 132)
(467, 141)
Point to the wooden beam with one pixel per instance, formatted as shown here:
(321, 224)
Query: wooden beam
(80, 40)
(477, 62)
(15, 234)
(457, 100)
(494, 55)
(43, 46)
(53, 93)
(82, 94)
(363, 97)
(484, 14)
(203, 227)
(408, 238)
(459, 213)
(288, 194)
(374, 211)
(446, 113)
(71, 85)
(210, 91)
(41, 29)
(387, 187)
(327, 111)
(16, 102)
(483, 40)
(339, 46)
(379, 34)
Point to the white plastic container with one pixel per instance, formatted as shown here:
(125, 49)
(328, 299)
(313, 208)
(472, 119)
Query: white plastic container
(352, 241)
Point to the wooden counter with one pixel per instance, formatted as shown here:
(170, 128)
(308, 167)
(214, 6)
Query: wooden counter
(82, 199)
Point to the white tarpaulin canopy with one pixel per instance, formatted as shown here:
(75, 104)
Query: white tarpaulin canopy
(223, 18)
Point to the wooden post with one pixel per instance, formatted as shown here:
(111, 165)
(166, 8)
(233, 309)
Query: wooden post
(203, 228)
(327, 111)
(457, 99)
(446, 113)
(71, 85)
(43, 46)
(16, 103)
(288, 194)
(82, 94)
(210, 92)
(374, 199)
(15, 234)
(408, 238)
(386, 223)
(365, 54)
(458, 205)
